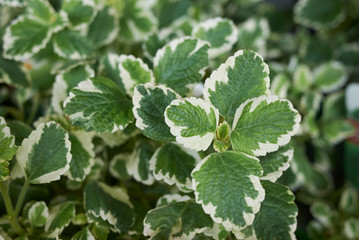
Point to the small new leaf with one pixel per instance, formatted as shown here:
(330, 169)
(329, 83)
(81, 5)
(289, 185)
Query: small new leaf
(38, 214)
(7, 142)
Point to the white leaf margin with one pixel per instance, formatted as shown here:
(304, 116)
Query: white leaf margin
(7, 132)
(197, 143)
(334, 86)
(32, 210)
(284, 139)
(273, 176)
(171, 198)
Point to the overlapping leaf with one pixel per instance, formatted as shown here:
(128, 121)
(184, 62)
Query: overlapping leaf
(80, 13)
(60, 217)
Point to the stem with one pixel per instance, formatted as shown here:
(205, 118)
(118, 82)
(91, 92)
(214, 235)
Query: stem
(10, 209)
(34, 108)
(21, 198)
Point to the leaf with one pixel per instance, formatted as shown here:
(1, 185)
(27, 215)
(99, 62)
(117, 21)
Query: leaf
(118, 166)
(13, 3)
(263, 124)
(179, 220)
(14, 74)
(221, 33)
(181, 63)
(302, 78)
(104, 28)
(127, 71)
(351, 228)
(330, 76)
(149, 104)
(38, 214)
(174, 164)
(80, 13)
(65, 81)
(335, 131)
(193, 122)
(97, 104)
(275, 163)
(323, 213)
(71, 45)
(60, 217)
(45, 155)
(311, 13)
(310, 102)
(7, 142)
(277, 217)
(349, 200)
(108, 204)
(4, 170)
(82, 151)
(139, 163)
(334, 105)
(280, 85)
(241, 77)
(228, 187)
(84, 234)
(171, 198)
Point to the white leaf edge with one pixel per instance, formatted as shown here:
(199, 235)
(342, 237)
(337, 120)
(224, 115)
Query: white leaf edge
(334, 86)
(221, 74)
(284, 139)
(75, 55)
(117, 158)
(7, 132)
(12, 3)
(197, 143)
(137, 97)
(89, 3)
(212, 24)
(26, 147)
(53, 214)
(273, 176)
(171, 198)
(166, 177)
(298, 72)
(252, 203)
(44, 213)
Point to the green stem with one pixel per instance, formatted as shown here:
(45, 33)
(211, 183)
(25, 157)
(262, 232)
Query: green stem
(10, 209)
(21, 198)
(34, 107)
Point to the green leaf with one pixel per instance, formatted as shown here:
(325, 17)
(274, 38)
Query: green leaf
(150, 102)
(38, 214)
(41, 10)
(334, 105)
(45, 155)
(280, 85)
(71, 45)
(323, 213)
(221, 33)
(275, 163)
(7, 142)
(302, 78)
(351, 228)
(242, 76)
(181, 63)
(84, 234)
(118, 166)
(335, 131)
(65, 81)
(139, 163)
(108, 204)
(60, 217)
(104, 28)
(228, 187)
(13, 3)
(171, 198)
(80, 13)
(263, 124)
(174, 164)
(193, 122)
(311, 13)
(97, 104)
(349, 201)
(82, 151)
(179, 220)
(4, 170)
(348, 55)
(310, 102)
(14, 74)
(330, 76)
(277, 217)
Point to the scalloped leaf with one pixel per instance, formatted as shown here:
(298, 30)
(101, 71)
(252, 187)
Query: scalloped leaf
(181, 63)
(193, 122)
(179, 220)
(45, 155)
(275, 163)
(72, 45)
(60, 217)
(244, 75)
(174, 164)
(280, 207)
(98, 104)
(80, 13)
(228, 187)
(104, 28)
(263, 124)
(330, 76)
(38, 214)
(221, 33)
(109, 205)
(149, 104)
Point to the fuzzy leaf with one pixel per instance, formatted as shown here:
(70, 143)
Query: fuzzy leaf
(108, 204)
(220, 33)
(263, 124)
(275, 163)
(7, 142)
(243, 76)
(71, 45)
(181, 63)
(174, 164)
(104, 28)
(60, 217)
(279, 207)
(38, 214)
(45, 155)
(193, 122)
(179, 220)
(228, 187)
(150, 103)
(330, 76)
(97, 104)
(80, 13)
